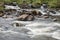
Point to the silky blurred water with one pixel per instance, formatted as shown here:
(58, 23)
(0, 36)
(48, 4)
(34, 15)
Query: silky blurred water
(39, 29)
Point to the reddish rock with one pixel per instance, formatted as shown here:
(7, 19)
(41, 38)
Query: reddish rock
(23, 17)
(26, 17)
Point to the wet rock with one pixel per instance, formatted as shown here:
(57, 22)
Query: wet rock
(17, 24)
(23, 17)
(30, 18)
(5, 16)
(20, 23)
(35, 13)
(26, 17)
(46, 17)
(53, 12)
(54, 19)
(1, 13)
(39, 13)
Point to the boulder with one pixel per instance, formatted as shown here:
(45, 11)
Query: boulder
(23, 17)
(26, 17)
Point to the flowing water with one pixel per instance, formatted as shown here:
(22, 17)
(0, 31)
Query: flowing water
(39, 29)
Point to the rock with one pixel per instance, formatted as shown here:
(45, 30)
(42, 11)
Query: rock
(20, 23)
(54, 19)
(35, 12)
(26, 17)
(30, 18)
(39, 13)
(52, 11)
(1, 13)
(46, 17)
(5, 16)
(23, 17)
(17, 24)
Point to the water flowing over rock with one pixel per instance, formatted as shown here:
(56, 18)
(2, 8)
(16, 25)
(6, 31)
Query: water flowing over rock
(39, 29)
(28, 25)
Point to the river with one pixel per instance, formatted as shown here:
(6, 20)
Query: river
(39, 29)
